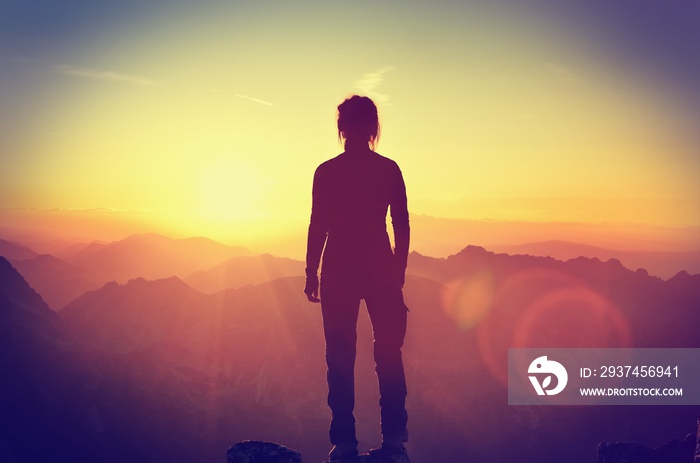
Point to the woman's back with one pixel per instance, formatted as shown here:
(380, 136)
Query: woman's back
(352, 193)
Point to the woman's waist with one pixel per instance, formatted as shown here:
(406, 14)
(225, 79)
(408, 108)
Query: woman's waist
(363, 243)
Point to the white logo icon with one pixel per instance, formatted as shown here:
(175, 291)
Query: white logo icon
(541, 365)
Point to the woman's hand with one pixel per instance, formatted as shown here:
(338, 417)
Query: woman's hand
(398, 273)
(311, 288)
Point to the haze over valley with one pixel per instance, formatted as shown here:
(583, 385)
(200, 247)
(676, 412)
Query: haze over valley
(152, 348)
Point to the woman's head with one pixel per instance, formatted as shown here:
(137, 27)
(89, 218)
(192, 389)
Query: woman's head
(358, 121)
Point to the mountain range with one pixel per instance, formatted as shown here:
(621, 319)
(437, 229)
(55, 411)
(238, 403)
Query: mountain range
(16, 251)
(208, 266)
(84, 267)
(664, 264)
(244, 270)
(160, 370)
(150, 256)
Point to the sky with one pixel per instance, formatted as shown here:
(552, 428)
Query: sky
(209, 117)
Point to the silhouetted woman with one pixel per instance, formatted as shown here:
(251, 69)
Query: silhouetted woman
(351, 195)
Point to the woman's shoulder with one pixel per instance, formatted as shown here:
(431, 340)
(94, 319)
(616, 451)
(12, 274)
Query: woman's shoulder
(345, 160)
(388, 164)
(386, 159)
(331, 162)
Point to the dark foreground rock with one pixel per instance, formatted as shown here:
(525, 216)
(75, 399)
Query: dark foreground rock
(261, 452)
(364, 458)
(633, 452)
(269, 452)
(697, 445)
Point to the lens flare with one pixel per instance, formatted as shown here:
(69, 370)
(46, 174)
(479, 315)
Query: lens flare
(546, 308)
(468, 299)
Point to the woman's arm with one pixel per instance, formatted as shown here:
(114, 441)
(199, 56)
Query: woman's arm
(316, 240)
(400, 224)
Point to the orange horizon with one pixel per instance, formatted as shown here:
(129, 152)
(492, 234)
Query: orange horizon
(433, 236)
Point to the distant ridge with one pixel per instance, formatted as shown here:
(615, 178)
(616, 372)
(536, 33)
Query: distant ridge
(244, 270)
(663, 264)
(11, 250)
(17, 291)
(143, 312)
(57, 281)
(151, 256)
(474, 257)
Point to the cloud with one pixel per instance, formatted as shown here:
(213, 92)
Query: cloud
(369, 82)
(563, 72)
(109, 76)
(255, 100)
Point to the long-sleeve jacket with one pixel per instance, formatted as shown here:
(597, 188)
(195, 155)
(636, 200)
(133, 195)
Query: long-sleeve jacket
(351, 195)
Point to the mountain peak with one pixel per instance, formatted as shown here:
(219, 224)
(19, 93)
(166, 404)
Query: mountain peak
(685, 278)
(17, 290)
(473, 250)
(15, 251)
(47, 260)
(171, 282)
(152, 256)
(134, 315)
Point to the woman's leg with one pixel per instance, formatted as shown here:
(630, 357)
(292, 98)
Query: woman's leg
(389, 315)
(340, 310)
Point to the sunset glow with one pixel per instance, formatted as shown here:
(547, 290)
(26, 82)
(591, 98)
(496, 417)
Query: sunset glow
(210, 120)
(165, 296)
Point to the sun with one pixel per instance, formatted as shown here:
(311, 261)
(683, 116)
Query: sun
(230, 189)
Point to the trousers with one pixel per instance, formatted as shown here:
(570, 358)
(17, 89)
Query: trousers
(340, 302)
